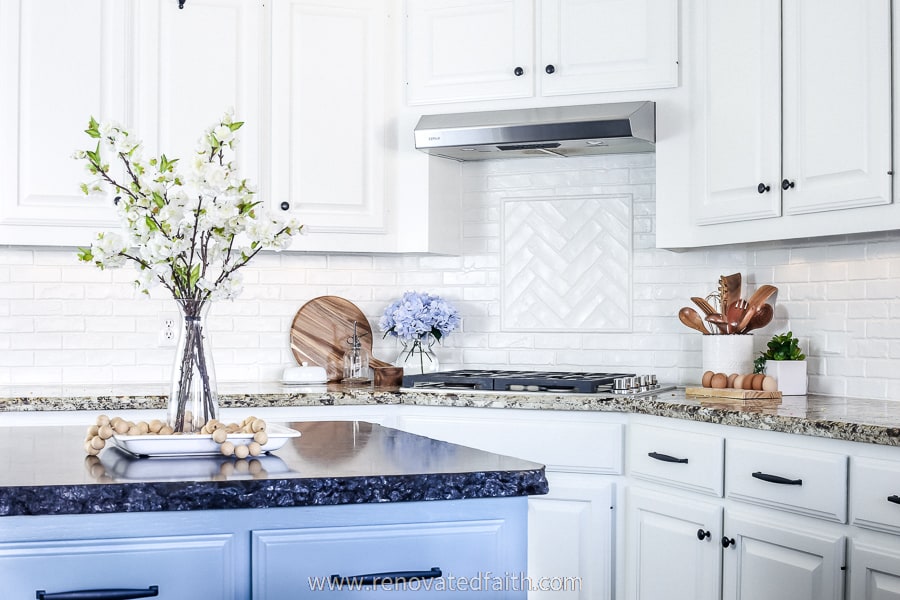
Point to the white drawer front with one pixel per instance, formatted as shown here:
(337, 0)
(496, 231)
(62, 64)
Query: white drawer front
(875, 494)
(334, 561)
(182, 567)
(807, 482)
(693, 461)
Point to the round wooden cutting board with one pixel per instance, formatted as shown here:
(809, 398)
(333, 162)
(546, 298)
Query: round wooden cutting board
(321, 330)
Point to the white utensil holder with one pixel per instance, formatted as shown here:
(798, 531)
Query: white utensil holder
(728, 354)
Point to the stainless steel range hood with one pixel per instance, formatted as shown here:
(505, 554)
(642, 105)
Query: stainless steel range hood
(557, 131)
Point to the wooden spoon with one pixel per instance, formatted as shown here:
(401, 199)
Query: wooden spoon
(689, 317)
(719, 321)
(705, 306)
(762, 318)
(734, 314)
(756, 301)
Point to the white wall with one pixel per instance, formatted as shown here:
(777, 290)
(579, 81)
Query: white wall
(65, 322)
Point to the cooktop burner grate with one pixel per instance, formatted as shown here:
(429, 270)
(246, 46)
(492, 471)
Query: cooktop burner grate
(516, 381)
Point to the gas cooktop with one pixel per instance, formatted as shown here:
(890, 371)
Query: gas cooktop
(537, 381)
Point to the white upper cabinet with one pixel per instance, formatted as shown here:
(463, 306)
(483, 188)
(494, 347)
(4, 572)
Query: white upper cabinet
(55, 77)
(787, 128)
(329, 116)
(193, 64)
(467, 50)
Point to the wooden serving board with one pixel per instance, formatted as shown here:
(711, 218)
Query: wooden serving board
(321, 330)
(731, 393)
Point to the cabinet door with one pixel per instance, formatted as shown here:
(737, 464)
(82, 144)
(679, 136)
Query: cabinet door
(875, 569)
(769, 560)
(607, 45)
(736, 110)
(673, 550)
(837, 104)
(194, 64)
(328, 115)
(61, 62)
(570, 538)
(469, 50)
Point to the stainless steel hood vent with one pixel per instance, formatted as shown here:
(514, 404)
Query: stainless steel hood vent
(557, 131)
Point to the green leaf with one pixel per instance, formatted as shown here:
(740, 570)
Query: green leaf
(236, 125)
(92, 129)
(151, 224)
(195, 276)
(85, 255)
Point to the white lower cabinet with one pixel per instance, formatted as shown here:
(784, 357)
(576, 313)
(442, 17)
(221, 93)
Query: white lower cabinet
(673, 547)
(179, 567)
(874, 568)
(769, 557)
(571, 546)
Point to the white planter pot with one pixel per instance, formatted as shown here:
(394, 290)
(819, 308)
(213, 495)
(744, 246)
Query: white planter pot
(790, 375)
(728, 354)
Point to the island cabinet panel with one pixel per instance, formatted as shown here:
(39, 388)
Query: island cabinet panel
(440, 559)
(182, 567)
(874, 568)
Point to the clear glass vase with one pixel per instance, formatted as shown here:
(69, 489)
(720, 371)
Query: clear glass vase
(417, 356)
(193, 399)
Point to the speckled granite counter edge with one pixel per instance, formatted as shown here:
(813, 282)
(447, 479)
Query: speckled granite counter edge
(266, 493)
(665, 405)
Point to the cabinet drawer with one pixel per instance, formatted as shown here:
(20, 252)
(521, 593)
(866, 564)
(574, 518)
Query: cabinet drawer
(693, 461)
(803, 481)
(875, 494)
(332, 561)
(183, 567)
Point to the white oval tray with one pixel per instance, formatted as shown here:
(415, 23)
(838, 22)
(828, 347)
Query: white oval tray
(197, 444)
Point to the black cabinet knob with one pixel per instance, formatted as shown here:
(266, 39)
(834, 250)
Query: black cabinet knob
(550, 69)
(703, 535)
(895, 499)
(786, 185)
(285, 206)
(726, 541)
(519, 71)
(762, 188)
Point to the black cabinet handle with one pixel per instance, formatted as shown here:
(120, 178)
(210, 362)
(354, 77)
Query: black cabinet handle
(386, 577)
(667, 458)
(777, 479)
(703, 535)
(727, 541)
(895, 499)
(786, 185)
(107, 594)
(519, 71)
(762, 188)
(285, 205)
(550, 69)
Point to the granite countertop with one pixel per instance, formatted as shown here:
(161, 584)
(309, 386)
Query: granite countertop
(852, 419)
(43, 471)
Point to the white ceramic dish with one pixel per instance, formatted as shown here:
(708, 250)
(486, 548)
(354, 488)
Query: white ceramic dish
(196, 444)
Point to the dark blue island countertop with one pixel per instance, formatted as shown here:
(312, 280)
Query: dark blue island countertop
(44, 471)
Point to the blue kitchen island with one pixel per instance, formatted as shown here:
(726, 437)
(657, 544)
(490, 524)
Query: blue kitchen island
(348, 509)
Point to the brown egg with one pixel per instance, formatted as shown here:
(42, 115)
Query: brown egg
(706, 379)
(718, 381)
(731, 379)
(739, 382)
(769, 384)
(757, 381)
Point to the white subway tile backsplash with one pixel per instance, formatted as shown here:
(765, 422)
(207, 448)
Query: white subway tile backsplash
(68, 322)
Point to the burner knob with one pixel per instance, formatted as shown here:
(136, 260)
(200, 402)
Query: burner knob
(652, 379)
(643, 381)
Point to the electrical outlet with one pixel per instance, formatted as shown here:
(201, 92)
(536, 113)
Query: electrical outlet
(167, 336)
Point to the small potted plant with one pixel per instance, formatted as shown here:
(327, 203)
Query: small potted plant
(784, 361)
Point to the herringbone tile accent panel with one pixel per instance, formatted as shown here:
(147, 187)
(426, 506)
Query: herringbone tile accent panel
(566, 264)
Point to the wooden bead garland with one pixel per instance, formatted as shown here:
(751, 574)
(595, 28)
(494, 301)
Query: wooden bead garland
(105, 427)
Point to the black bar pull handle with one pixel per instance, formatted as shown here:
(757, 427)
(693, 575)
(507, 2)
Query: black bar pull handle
(386, 577)
(777, 479)
(895, 499)
(107, 594)
(667, 458)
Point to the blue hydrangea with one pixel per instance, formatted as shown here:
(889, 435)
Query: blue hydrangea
(416, 314)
